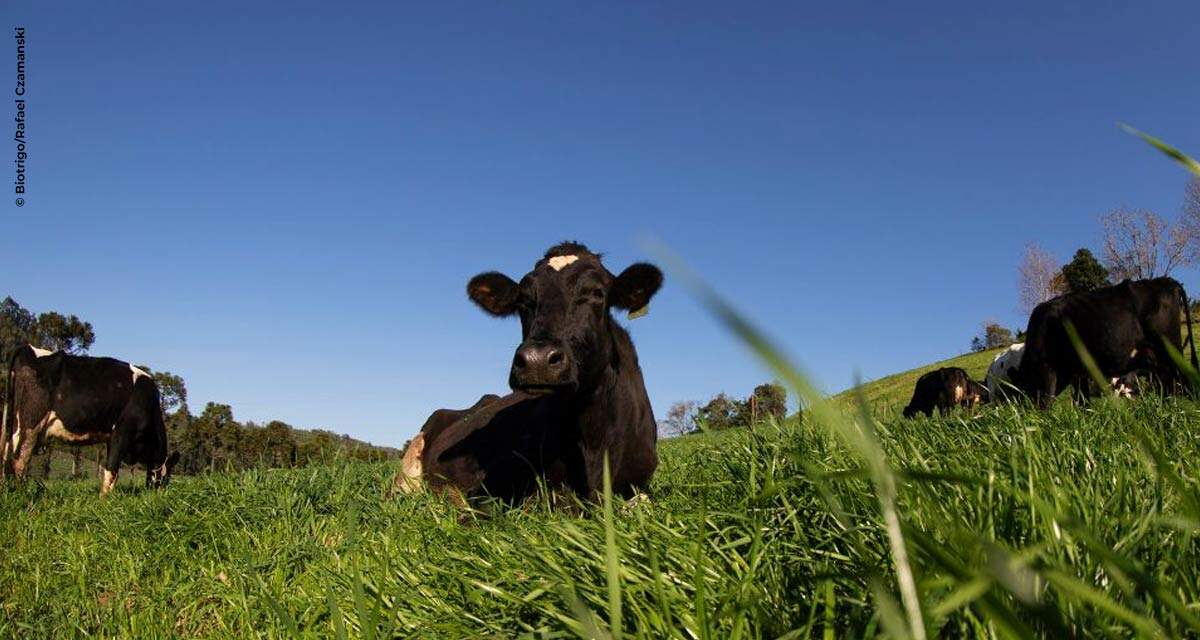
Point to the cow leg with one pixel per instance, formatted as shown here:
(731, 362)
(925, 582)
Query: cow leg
(576, 472)
(6, 454)
(1081, 389)
(112, 461)
(25, 441)
(1047, 386)
(112, 464)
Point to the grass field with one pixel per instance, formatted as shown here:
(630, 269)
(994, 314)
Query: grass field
(1016, 523)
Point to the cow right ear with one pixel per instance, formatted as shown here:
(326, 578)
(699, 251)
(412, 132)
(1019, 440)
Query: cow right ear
(494, 292)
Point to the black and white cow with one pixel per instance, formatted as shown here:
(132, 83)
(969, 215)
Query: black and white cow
(1123, 327)
(84, 400)
(578, 394)
(1002, 375)
(943, 389)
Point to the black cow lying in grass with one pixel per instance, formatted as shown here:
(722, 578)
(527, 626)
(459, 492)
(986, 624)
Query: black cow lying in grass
(578, 394)
(1123, 328)
(943, 389)
(83, 400)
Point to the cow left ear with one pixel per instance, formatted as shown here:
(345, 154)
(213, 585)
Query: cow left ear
(494, 292)
(635, 286)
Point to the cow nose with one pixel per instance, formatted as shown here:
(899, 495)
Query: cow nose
(539, 364)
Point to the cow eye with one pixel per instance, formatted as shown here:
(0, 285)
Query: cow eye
(592, 293)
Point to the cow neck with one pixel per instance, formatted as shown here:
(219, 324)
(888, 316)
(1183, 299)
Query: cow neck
(597, 404)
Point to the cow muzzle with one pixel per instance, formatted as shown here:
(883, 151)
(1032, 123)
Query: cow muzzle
(541, 368)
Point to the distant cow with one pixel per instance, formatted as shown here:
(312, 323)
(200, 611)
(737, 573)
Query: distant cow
(1123, 328)
(83, 400)
(578, 393)
(943, 389)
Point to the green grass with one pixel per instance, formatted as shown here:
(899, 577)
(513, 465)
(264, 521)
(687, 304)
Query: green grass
(1054, 520)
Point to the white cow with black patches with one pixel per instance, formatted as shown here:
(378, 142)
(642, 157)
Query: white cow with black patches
(83, 400)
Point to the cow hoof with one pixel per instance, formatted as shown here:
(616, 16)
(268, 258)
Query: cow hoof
(636, 502)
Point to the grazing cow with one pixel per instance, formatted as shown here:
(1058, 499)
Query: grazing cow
(1002, 375)
(1125, 386)
(83, 400)
(1123, 328)
(943, 389)
(578, 394)
(1000, 378)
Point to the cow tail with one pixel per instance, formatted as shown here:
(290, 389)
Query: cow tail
(1187, 315)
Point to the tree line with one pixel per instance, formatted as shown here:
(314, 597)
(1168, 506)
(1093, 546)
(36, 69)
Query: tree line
(767, 402)
(211, 441)
(1136, 244)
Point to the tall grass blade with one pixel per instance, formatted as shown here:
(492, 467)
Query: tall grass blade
(824, 412)
(611, 561)
(1171, 152)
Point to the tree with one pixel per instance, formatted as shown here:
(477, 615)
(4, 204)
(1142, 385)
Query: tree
(681, 418)
(993, 336)
(280, 445)
(1190, 220)
(172, 391)
(1139, 244)
(1084, 273)
(1038, 278)
(721, 412)
(765, 402)
(68, 334)
(50, 330)
(996, 336)
(16, 328)
(17, 325)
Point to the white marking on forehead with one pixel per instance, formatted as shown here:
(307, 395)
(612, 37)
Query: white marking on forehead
(137, 372)
(559, 262)
(41, 353)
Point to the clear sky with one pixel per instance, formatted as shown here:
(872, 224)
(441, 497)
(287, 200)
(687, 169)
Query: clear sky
(284, 203)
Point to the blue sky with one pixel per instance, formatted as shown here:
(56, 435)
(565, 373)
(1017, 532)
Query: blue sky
(284, 203)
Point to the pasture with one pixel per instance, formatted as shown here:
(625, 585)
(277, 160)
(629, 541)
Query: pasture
(1016, 523)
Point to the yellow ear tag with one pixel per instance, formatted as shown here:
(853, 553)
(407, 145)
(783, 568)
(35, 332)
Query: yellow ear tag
(637, 313)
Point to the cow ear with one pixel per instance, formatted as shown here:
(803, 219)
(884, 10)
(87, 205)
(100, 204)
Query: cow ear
(494, 292)
(635, 286)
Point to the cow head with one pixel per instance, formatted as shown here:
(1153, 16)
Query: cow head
(159, 477)
(566, 328)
